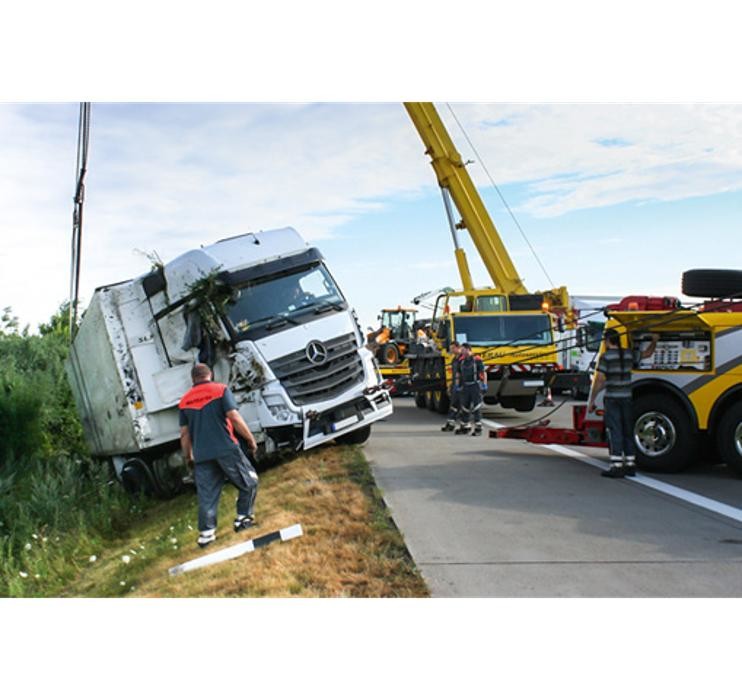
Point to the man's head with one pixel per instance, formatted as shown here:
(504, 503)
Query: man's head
(612, 338)
(200, 373)
(455, 347)
(465, 349)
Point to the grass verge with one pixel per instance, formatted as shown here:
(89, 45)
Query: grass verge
(350, 547)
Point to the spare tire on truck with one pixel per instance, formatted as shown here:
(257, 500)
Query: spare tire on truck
(715, 284)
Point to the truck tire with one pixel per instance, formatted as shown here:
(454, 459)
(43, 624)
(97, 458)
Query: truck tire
(524, 404)
(442, 401)
(729, 438)
(663, 434)
(718, 284)
(357, 437)
(421, 399)
(136, 479)
(167, 481)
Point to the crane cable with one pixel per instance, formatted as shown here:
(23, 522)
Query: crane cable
(497, 189)
(83, 137)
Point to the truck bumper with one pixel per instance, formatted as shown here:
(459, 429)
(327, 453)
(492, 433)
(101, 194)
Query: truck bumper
(319, 428)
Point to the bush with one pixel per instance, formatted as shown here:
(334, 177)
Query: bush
(53, 514)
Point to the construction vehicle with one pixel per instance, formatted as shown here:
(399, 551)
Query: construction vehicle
(390, 344)
(263, 311)
(512, 330)
(688, 394)
(392, 340)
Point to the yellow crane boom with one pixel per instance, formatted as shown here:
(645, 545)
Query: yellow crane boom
(456, 182)
(457, 185)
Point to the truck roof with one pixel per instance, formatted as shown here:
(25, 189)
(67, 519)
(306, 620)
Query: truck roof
(227, 254)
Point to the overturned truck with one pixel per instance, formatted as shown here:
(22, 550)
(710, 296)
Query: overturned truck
(263, 311)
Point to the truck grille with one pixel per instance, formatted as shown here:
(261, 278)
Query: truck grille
(306, 382)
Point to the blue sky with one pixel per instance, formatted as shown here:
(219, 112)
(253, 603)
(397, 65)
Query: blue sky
(615, 198)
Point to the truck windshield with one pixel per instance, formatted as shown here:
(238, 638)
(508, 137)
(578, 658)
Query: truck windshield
(267, 301)
(488, 331)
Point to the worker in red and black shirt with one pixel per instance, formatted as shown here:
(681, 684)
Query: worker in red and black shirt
(470, 378)
(208, 421)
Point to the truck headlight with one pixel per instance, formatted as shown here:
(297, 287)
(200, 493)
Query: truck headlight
(278, 408)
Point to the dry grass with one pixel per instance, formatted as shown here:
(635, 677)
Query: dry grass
(350, 546)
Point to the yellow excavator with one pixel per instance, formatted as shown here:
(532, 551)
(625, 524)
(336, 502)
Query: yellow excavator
(512, 330)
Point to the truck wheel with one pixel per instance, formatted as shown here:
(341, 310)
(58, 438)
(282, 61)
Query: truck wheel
(729, 438)
(713, 283)
(168, 482)
(357, 437)
(442, 402)
(421, 400)
(135, 478)
(524, 403)
(663, 434)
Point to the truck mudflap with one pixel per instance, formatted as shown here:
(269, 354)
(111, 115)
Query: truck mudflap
(374, 405)
(588, 433)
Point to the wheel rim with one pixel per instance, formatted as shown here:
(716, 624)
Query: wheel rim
(654, 434)
(738, 438)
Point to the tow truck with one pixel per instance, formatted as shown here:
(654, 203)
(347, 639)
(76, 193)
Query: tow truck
(688, 393)
(511, 329)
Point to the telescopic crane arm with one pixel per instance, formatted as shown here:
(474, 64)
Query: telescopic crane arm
(457, 185)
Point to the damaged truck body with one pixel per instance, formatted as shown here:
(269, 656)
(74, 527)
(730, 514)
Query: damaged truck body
(263, 311)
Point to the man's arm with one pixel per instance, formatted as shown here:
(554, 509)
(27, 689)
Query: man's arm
(598, 385)
(241, 427)
(649, 351)
(185, 444)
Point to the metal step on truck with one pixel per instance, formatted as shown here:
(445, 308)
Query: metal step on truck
(687, 395)
(264, 312)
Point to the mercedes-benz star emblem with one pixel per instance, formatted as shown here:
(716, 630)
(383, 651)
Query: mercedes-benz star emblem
(316, 352)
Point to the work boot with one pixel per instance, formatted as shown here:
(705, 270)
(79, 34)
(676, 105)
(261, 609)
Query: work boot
(616, 471)
(477, 430)
(242, 522)
(206, 537)
(463, 429)
(449, 426)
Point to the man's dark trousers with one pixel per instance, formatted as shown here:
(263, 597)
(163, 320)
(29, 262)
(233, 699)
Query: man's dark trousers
(210, 477)
(619, 422)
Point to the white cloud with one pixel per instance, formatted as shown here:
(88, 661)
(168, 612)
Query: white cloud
(581, 156)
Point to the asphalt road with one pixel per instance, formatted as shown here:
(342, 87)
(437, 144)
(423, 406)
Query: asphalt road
(503, 518)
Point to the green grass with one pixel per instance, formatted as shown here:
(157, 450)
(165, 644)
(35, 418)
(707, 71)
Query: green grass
(54, 515)
(350, 546)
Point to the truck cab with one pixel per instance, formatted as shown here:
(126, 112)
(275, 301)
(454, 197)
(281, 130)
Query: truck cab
(264, 312)
(514, 336)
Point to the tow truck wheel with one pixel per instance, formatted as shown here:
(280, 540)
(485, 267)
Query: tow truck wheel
(663, 435)
(421, 400)
(729, 438)
(357, 437)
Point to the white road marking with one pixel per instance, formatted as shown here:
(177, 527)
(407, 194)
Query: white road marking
(654, 484)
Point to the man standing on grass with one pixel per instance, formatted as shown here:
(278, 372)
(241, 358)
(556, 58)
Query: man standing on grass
(208, 421)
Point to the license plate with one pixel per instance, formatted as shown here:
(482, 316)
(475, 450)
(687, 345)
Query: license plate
(344, 423)
(533, 382)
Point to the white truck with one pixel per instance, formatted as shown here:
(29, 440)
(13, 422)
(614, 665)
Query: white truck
(578, 346)
(264, 312)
